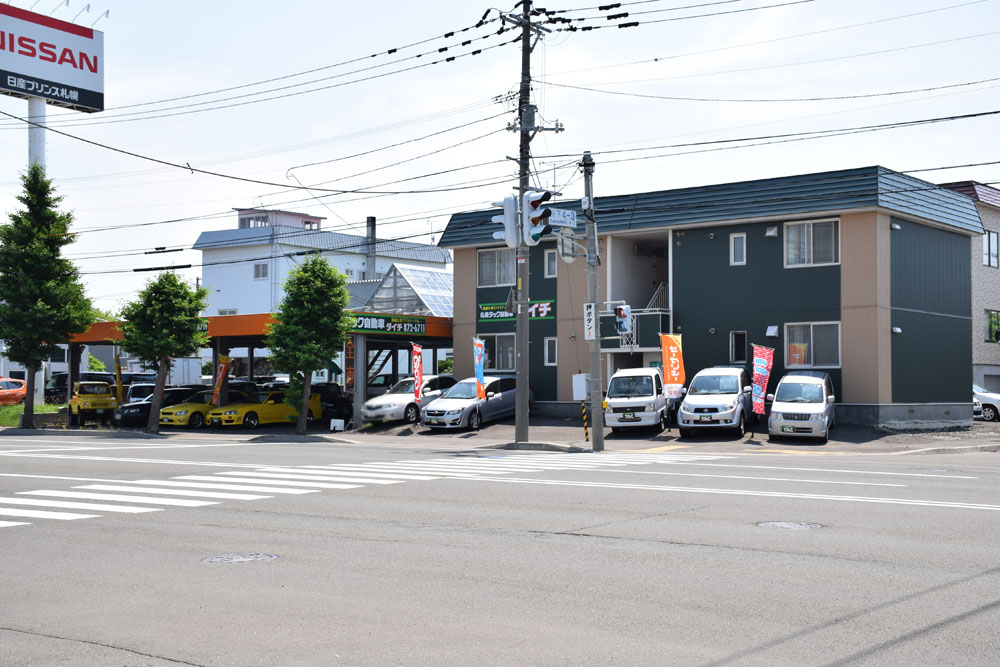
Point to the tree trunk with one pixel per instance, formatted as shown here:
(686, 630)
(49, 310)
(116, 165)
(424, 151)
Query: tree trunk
(301, 424)
(153, 423)
(28, 417)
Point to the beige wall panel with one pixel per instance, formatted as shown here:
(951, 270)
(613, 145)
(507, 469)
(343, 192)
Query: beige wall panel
(574, 356)
(466, 260)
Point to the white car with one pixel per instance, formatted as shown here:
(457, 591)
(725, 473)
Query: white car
(718, 397)
(636, 398)
(990, 403)
(802, 405)
(400, 404)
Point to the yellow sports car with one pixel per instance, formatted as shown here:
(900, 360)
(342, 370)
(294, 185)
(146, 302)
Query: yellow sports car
(266, 407)
(192, 411)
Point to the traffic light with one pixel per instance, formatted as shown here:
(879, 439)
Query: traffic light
(623, 319)
(531, 216)
(510, 234)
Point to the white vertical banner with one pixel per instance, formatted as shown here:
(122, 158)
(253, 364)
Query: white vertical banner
(589, 321)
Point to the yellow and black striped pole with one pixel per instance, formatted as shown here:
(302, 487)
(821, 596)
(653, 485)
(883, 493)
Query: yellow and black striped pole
(586, 433)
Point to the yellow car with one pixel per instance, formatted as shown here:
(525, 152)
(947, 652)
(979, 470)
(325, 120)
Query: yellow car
(266, 407)
(193, 411)
(91, 399)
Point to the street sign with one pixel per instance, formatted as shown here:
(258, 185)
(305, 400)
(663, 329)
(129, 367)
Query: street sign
(566, 245)
(589, 322)
(562, 218)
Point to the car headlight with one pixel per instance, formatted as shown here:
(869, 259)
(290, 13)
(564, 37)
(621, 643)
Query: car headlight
(731, 405)
(818, 417)
(181, 413)
(455, 412)
(686, 408)
(649, 407)
(775, 415)
(230, 412)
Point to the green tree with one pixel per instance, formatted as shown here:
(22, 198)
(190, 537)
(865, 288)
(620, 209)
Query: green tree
(42, 301)
(164, 322)
(310, 328)
(95, 364)
(446, 366)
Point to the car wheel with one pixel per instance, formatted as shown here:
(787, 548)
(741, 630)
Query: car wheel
(251, 420)
(475, 420)
(684, 432)
(741, 427)
(411, 414)
(989, 412)
(615, 430)
(196, 421)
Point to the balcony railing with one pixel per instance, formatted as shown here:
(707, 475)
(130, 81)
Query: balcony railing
(647, 325)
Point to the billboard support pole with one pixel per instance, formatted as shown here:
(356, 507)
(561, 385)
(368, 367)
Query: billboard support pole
(36, 131)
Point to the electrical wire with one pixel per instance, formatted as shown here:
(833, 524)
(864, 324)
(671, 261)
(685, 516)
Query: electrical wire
(635, 24)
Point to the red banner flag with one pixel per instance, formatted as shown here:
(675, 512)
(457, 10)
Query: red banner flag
(220, 375)
(763, 357)
(418, 371)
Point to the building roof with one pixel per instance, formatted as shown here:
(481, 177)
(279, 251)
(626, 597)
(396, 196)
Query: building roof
(361, 291)
(413, 290)
(862, 188)
(280, 212)
(320, 240)
(979, 192)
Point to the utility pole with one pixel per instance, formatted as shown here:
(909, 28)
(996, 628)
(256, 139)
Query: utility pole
(593, 261)
(526, 118)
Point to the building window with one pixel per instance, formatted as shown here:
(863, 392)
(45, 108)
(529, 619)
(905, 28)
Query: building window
(812, 243)
(992, 333)
(248, 221)
(349, 273)
(738, 347)
(260, 271)
(59, 356)
(551, 352)
(990, 250)
(227, 311)
(737, 249)
(550, 263)
(812, 345)
(496, 267)
(499, 349)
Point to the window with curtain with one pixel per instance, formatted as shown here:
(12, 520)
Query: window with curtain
(812, 345)
(812, 243)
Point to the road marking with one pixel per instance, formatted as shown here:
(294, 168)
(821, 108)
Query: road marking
(8, 524)
(857, 472)
(146, 500)
(172, 492)
(41, 514)
(224, 487)
(392, 467)
(318, 478)
(78, 506)
(244, 480)
(743, 492)
(766, 479)
(352, 473)
(665, 448)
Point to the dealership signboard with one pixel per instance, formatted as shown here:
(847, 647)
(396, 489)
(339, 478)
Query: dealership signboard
(44, 57)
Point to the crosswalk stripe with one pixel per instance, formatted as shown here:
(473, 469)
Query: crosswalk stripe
(245, 480)
(321, 478)
(41, 514)
(8, 524)
(172, 492)
(127, 509)
(522, 463)
(403, 468)
(351, 473)
(225, 487)
(146, 500)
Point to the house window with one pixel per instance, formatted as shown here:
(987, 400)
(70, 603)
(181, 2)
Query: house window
(990, 249)
(738, 347)
(499, 352)
(260, 271)
(349, 273)
(58, 356)
(496, 267)
(551, 352)
(812, 243)
(992, 333)
(812, 345)
(737, 249)
(248, 221)
(550, 264)
(227, 311)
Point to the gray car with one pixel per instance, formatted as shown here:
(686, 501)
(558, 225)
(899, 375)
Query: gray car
(399, 403)
(459, 407)
(802, 405)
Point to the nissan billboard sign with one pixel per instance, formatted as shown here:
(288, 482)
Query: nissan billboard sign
(56, 60)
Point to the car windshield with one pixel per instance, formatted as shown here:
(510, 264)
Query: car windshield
(402, 387)
(95, 388)
(140, 391)
(799, 392)
(462, 390)
(630, 386)
(261, 398)
(714, 384)
(979, 390)
(203, 397)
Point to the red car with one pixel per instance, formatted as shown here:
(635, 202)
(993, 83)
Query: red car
(12, 391)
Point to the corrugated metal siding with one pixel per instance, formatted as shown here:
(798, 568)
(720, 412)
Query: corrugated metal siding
(931, 359)
(864, 187)
(930, 270)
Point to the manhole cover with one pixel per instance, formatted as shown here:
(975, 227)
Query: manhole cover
(238, 558)
(789, 525)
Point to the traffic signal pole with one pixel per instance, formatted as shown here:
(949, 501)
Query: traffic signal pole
(526, 122)
(593, 261)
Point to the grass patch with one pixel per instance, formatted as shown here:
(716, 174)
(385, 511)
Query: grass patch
(10, 415)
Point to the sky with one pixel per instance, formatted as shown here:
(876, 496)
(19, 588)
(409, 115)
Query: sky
(415, 139)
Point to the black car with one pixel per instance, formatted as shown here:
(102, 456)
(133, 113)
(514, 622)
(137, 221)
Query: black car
(137, 412)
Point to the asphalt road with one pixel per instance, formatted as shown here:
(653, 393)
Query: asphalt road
(430, 551)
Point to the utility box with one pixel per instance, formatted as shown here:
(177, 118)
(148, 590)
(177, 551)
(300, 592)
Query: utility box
(581, 386)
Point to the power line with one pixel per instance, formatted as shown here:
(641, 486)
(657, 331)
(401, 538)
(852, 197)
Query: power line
(635, 24)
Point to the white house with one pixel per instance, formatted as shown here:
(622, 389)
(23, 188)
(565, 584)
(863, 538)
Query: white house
(244, 268)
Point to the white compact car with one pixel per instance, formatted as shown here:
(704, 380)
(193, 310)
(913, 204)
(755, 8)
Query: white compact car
(636, 398)
(802, 405)
(718, 397)
(989, 403)
(399, 403)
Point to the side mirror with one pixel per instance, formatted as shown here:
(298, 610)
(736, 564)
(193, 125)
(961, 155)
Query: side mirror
(770, 397)
(684, 390)
(748, 389)
(831, 398)
(490, 394)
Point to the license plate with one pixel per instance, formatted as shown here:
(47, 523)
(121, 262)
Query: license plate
(216, 421)
(628, 415)
(99, 411)
(788, 429)
(433, 421)
(705, 418)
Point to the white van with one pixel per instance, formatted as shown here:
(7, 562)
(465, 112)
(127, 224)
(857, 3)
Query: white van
(636, 397)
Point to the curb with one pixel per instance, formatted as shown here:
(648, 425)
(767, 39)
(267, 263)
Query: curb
(538, 447)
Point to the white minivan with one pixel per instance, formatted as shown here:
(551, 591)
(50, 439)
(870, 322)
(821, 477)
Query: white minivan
(636, 397)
